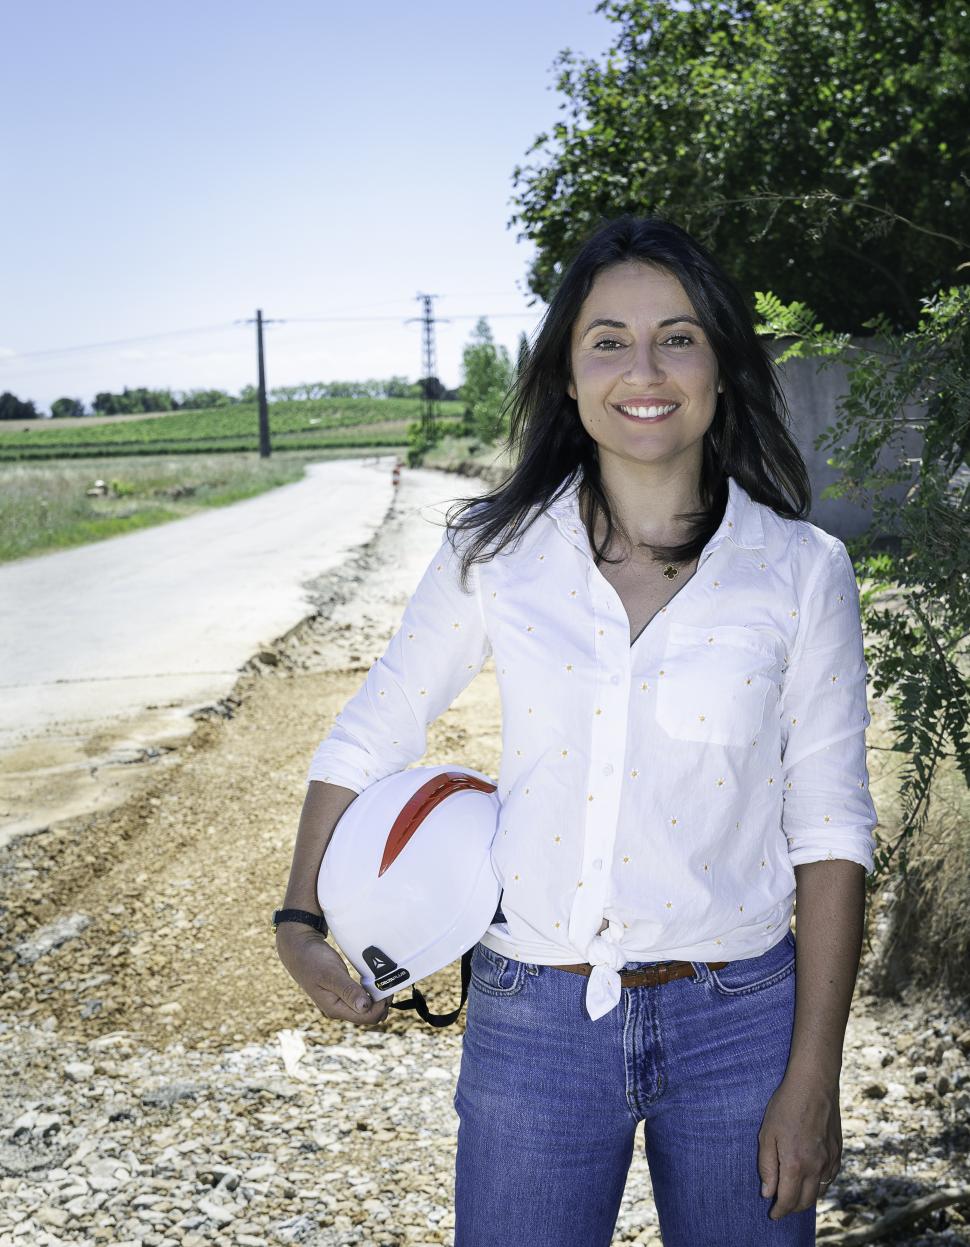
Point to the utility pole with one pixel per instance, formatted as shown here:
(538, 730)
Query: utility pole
(430, 413)
(264, 446)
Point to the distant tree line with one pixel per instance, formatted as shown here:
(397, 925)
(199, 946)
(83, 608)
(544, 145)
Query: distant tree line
(392, 387)
(132, 401)
(13, 408)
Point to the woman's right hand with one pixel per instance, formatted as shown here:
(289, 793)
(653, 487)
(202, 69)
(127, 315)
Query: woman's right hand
(319, 969)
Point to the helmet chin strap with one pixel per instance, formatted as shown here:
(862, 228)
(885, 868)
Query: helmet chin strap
(418, 1001)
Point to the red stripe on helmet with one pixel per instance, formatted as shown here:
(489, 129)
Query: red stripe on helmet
(419, 806)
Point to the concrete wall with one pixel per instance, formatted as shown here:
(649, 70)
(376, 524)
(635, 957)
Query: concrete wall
(812, 394)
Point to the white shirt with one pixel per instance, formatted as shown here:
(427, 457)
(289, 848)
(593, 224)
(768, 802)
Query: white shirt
(669, 786)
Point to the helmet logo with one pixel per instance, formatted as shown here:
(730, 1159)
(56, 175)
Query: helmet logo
(378, 961)
(386, 971)
(400, 975)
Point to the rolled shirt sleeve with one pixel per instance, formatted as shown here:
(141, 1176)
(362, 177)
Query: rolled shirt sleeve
(439, 647)
(827, 809)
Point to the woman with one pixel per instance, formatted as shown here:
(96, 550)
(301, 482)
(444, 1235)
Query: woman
(679, 654)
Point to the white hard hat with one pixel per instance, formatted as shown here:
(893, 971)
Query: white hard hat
(406, 884)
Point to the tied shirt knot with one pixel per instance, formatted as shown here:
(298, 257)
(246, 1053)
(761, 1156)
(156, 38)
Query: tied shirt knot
(603, 986)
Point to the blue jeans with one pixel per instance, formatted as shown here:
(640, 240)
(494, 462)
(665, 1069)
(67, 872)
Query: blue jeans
(548, 1104)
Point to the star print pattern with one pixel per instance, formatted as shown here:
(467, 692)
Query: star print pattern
(668, 784)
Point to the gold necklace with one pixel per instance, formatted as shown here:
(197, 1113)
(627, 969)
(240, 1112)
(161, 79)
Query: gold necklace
(670, 571)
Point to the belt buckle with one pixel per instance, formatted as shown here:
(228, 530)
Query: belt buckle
(662, 974)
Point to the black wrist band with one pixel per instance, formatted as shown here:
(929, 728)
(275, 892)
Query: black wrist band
(300, 915)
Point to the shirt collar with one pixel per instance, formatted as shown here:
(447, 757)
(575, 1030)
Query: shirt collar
(742, 522)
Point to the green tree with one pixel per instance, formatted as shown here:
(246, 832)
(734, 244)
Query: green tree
(197, 400)
(13, 408)
(131, 401)
(66, 407)
(431, 387)
(797, 141)
(103, 404)
(486, 377)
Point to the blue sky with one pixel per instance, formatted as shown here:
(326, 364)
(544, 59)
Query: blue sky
(173, 166)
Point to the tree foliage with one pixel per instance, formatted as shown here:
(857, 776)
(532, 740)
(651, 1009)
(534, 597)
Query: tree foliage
(141, 399)
(374, 387)
(14, 408)
(905, 388)
(132, 401)
(63, 408)
(797, 141)
(198, 400)
(486, 376)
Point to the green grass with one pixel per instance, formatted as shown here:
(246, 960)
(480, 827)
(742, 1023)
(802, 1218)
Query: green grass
(170, 466)
(466, 454)
(44, 505)
(325, 423)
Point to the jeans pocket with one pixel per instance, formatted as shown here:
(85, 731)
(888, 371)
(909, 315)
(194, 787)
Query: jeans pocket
(494, 974)
(754, 974)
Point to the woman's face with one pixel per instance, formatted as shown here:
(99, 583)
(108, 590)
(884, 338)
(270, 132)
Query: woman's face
(654, 354)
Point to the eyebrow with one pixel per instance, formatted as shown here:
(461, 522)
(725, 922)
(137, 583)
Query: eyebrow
(619, 324)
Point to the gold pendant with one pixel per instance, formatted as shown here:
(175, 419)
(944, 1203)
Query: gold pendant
(670, 571)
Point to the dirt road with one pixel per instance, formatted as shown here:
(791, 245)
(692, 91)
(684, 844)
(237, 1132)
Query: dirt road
(105, 649)
(169, 613)
(183, 876)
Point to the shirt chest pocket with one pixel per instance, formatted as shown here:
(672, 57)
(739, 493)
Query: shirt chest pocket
(713, 683)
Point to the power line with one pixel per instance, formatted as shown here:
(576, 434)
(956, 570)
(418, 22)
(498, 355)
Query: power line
(465, 294)
(97, 346)
(322, 320)
(297, 320)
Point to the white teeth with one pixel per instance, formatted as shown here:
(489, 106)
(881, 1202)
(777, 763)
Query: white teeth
(648, 413)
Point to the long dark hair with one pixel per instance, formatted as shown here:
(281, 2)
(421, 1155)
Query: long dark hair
(748, 438)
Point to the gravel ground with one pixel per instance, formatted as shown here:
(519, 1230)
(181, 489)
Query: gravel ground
(164, 1082)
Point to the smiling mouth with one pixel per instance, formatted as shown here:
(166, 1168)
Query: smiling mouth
(647, 413)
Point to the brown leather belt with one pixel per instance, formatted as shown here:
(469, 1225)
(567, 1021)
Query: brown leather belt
(648, 976)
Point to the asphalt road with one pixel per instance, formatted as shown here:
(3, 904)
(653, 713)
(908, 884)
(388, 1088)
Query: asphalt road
(171, 613)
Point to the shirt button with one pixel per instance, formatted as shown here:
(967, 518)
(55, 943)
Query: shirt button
(614, 679)
(608, 769)
(598, 864)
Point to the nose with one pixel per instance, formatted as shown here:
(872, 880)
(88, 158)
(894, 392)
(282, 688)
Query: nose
(645, 366)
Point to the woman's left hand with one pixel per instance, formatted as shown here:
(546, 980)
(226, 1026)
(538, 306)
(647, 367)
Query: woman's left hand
(800, 1142)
